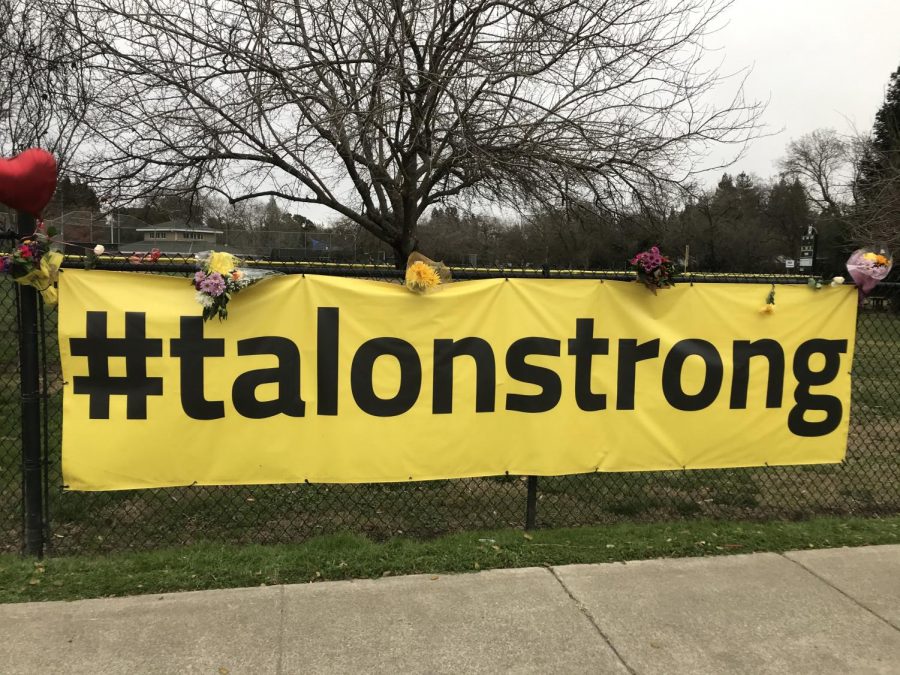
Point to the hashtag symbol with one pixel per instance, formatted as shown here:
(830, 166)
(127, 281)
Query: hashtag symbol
(135, 347)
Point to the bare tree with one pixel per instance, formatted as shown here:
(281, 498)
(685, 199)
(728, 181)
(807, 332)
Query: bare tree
(380, 109)
(44, 88)
(823, 163)
(831, 168)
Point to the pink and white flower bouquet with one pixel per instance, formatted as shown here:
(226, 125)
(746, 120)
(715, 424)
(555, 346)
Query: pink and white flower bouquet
(653, 269)
(218, 278)
(868, 267)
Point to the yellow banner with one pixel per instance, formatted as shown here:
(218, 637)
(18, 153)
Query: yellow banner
(324, 379)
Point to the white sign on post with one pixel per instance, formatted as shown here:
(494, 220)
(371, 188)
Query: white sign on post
(789, 263)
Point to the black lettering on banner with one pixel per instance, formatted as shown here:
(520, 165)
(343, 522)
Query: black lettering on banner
(192, 348)
(672, 370)
(583, 347)
(135, 347)
(744, 350)
(327, 338)
(806, 378)
(361, 373)
(630, 352)
(286, 375)
(485, 373)
(546, 379)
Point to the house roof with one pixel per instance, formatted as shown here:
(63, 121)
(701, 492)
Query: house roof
(177, 226)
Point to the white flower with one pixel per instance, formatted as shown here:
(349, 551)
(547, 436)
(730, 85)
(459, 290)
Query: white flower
(98, 249)
(837, 281)
(204, 299)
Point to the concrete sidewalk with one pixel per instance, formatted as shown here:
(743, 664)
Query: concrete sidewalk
(825, 611)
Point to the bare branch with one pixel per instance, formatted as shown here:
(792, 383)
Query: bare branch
(45, 89)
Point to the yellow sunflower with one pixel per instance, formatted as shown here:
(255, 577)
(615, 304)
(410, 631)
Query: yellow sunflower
(421, 276)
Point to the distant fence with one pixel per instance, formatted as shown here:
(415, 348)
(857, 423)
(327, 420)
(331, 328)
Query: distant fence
(127, 233)
(866, 483)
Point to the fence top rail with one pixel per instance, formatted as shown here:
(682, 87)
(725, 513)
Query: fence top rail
(187, 264)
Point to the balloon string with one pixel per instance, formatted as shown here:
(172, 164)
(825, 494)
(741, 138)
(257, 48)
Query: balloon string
(40, 232)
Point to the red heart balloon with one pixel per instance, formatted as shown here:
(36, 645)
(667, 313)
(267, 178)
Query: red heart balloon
(27, 181)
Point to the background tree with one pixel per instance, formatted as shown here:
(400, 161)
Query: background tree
(824, 163)
(877, 188)
(788, 214)
(881, 155)
(380, 109)
(71, 194)
(821, 161)
(710, 216)
(728, 229)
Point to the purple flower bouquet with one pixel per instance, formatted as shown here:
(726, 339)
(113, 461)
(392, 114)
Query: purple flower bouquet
(868, 267)
(653, 269)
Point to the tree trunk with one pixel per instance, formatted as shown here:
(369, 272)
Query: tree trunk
(402, 248)
(407, 242)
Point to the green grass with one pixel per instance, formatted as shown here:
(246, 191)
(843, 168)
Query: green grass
(876, 366)
(348, 556)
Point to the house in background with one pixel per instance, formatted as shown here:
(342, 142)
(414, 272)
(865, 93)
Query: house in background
(176, 238)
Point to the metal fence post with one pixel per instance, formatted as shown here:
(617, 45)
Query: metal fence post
(531, 485)
(531, 503)
(29, 372)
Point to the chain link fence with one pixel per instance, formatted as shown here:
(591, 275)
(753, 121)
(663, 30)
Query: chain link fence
(867, 483)
(10, 436)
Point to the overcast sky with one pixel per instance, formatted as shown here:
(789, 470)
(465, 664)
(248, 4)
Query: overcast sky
(818, 63)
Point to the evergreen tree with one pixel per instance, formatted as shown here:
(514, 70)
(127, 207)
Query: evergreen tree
(877, 190)
(788, 215)
(271, 216)
(886, 131)
(72, 195)
(881, 157)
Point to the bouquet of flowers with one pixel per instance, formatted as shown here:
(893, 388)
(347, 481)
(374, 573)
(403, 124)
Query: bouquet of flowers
(423, 274)
(868, 267)
(218, 278)
(653, 269)
(33, 263)
(152, 256)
